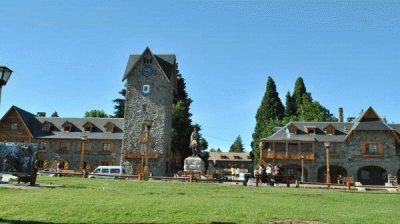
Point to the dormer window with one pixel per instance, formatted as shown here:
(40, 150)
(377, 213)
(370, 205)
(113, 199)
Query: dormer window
(237, 157)
(88, 127)
(46, 127)
(67, 126)
(109, 127)
(310, 129)
(224, 157)
(330, 130)
(292, 129)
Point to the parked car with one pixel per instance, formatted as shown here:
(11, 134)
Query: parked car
(107, 172)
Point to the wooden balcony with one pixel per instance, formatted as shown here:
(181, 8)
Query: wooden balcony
(288, 156)
(138, 155)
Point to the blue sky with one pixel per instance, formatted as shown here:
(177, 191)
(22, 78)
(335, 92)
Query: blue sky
(69, 56)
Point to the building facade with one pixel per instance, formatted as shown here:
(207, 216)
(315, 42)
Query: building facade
(62, 139)
(365, 149)
(150, 85)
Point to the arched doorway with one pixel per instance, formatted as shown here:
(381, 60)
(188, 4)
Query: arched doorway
(372, 175)
(335, 171)
(295, 170)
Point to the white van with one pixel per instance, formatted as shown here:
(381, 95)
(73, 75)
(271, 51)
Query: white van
(107, 172)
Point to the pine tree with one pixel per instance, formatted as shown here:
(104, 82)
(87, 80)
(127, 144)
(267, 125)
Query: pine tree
(299, 91)
(290, 110)
(120, 105)
(237, 145)
(271, 109)
(54, 114)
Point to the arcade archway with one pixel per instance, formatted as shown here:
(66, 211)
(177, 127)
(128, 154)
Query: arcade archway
(372, 175)
(335, 171)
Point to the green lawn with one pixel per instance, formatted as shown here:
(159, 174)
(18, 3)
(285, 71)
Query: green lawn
(117, 201)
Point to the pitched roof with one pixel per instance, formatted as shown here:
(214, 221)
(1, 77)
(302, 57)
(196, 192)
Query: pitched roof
(35, 126)
(229, 156)
(166, 62)
(78, 130)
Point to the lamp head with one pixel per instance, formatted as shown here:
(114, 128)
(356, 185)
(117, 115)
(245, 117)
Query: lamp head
(5, 74)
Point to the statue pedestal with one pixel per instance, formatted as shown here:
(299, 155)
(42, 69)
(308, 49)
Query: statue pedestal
(194, 163)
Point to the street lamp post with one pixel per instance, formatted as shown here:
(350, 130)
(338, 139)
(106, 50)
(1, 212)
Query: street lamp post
(83, 140)
(302, 167)
(148, 124)
(5, 74)
(328, 172)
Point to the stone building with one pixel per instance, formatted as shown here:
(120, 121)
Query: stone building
(366, 149)
(150, 84)
(62, 139)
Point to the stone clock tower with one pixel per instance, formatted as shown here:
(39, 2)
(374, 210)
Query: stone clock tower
(150, 83)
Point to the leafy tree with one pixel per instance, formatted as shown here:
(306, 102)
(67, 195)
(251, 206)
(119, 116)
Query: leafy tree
(219, 150)
(271, 108)
(54, 114)
(96, 113)
(120, 105)
(213, 150)
(237, 145)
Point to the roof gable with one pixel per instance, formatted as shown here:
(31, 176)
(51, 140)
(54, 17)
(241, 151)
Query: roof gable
(165, 62)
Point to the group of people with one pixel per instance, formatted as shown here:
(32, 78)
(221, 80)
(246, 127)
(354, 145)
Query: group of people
(264, 174)
(235, 173)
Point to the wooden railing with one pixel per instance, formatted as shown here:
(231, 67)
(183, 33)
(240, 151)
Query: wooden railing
(288, 156)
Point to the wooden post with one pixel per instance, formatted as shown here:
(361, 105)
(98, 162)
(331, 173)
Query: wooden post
(190, 178)
(297, 184)
(348, 185)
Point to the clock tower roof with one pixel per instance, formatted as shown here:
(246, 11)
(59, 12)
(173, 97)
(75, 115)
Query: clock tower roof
(167, 63)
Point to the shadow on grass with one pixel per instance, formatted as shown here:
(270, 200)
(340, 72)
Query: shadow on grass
(23, 222)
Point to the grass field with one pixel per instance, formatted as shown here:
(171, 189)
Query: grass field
(116, 201)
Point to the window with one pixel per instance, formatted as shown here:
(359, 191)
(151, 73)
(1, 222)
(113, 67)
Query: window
(147, 60)
(42, 145)
(67, 128)
(107, 147)
(292, 147)
(109, 127)
(144, 107)
(146, 89)
(46, 127)
(88, 129)
(237, 157)
(372, 148)
(14, 126)
(63, 147)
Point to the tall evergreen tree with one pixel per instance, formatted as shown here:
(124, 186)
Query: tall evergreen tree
(271, 109)
(120, 105)
(181, 118)
(290, 110)
(299, 91)
(237, 145)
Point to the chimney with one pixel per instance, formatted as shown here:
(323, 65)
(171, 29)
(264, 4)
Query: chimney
(340, 114)
(41, 114)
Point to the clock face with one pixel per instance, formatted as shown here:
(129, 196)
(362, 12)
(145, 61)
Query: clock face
(147, 71)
